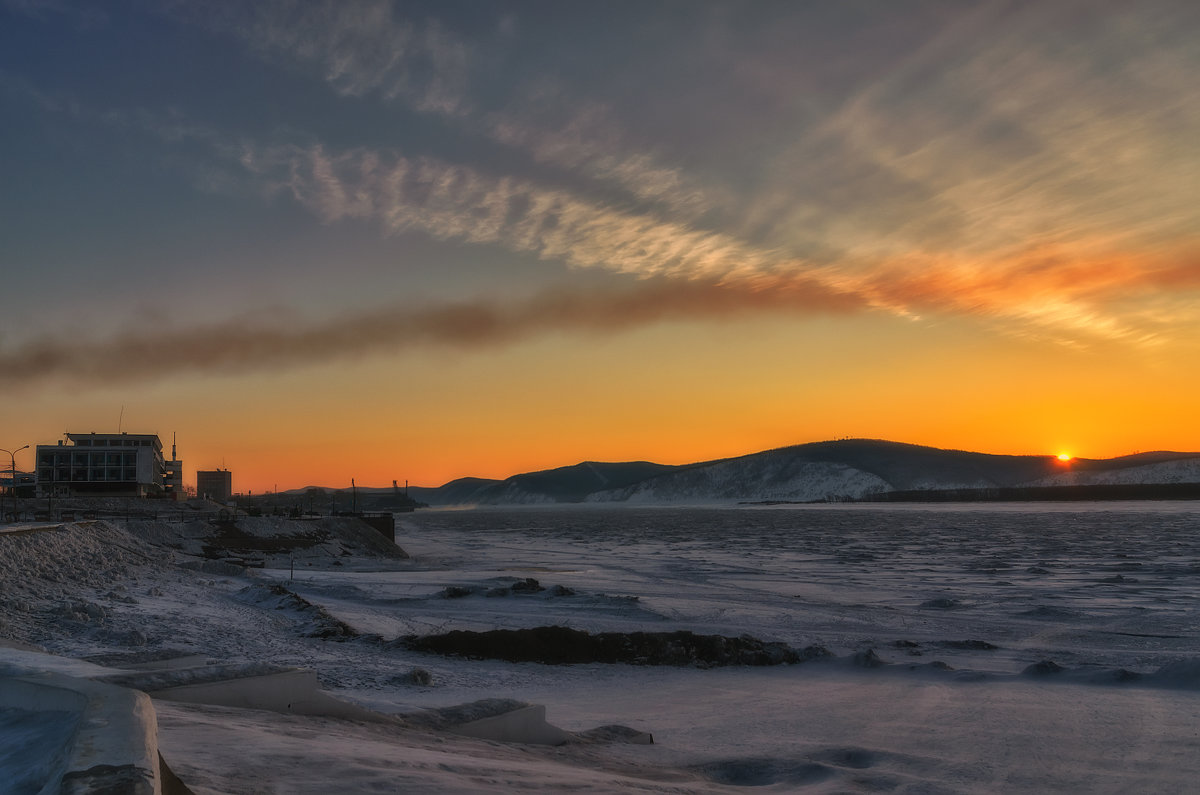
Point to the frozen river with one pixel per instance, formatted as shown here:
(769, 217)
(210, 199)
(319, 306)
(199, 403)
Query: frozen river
(1093, 586)
(984, 648)
(1044, 647)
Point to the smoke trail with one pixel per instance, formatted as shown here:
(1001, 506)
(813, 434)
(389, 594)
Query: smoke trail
(243, 345)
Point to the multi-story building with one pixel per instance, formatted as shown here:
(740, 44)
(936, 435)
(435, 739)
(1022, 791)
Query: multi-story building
(214, 484)
(102, 465)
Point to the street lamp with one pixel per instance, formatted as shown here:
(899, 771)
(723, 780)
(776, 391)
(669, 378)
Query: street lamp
(12, 484)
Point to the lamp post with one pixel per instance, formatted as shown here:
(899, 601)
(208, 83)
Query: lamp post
(12, 484)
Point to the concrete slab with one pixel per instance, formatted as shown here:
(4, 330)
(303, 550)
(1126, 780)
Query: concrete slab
(105, 737)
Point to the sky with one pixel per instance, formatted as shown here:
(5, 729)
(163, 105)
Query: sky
(318, 241)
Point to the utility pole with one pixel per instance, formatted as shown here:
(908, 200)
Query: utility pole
(12, 484)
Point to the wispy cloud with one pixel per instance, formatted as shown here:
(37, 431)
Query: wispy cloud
(1016, 126)
(369, 48)
(453, 201)
(589, 142)
(1045, 292)
(1052, 287)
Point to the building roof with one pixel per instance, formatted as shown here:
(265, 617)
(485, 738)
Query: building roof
(114, 439)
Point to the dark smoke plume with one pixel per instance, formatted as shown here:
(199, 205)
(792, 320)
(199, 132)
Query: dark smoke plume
(236, 346)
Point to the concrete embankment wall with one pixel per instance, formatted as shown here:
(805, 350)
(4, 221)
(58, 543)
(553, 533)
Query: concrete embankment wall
(110, 734)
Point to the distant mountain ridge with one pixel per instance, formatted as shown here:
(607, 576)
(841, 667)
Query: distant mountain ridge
(846, 469)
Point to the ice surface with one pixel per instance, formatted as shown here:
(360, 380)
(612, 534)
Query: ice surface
(1105, 593)
(31, 744)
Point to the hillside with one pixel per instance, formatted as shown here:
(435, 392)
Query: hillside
(847, 469)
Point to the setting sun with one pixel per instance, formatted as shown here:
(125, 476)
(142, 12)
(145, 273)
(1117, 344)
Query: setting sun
(1064, 456)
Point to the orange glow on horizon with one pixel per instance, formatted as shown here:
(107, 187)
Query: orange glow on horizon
(761, 384)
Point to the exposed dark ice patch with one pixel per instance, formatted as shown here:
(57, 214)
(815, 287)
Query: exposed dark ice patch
(867, 659)
(1043, 668)
(1052, 613)
(969, 645)
(556, 645)
(1118, 676)
(941, 603)
(932, 665)
(764, 772)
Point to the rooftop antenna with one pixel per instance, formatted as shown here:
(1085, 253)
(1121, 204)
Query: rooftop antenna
(121, 419)
(174, 457)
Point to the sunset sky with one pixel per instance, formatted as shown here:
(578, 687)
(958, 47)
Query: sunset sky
(417, 241)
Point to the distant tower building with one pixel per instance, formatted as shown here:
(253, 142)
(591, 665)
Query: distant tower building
(173, 474)
(214, 484)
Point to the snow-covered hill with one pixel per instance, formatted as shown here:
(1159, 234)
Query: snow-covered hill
(759, 478)
(1181, 470)
(848, 469)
